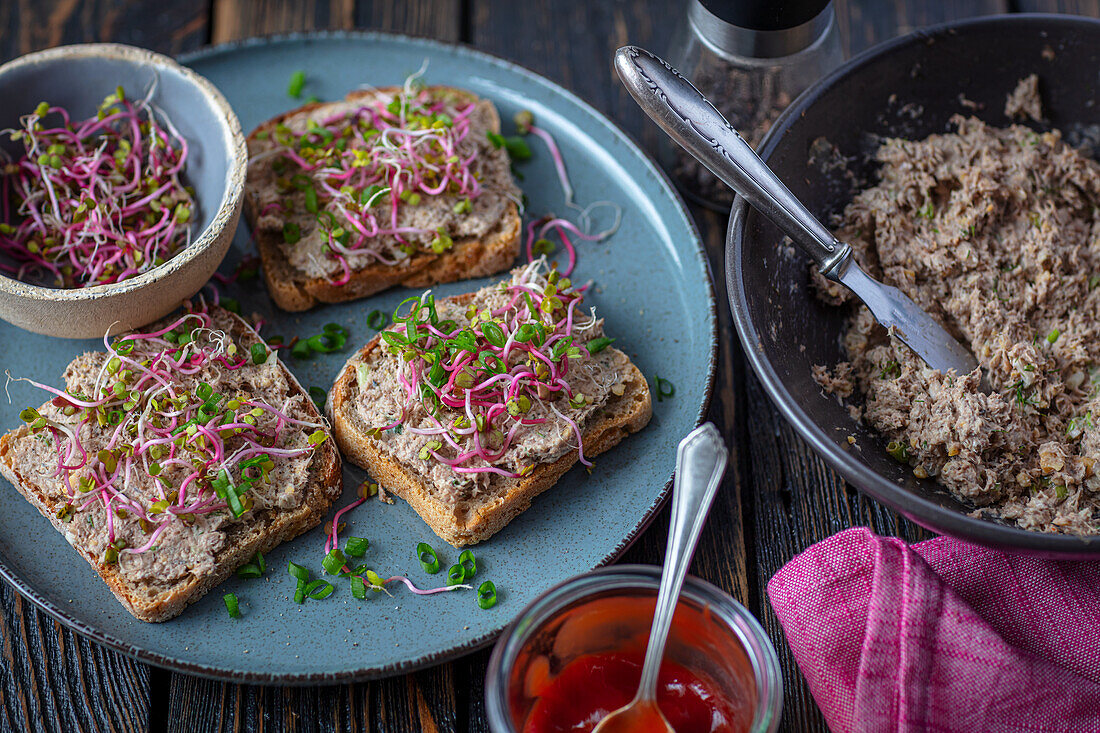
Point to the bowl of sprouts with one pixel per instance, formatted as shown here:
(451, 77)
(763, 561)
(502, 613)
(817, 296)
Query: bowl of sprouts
(121, 181)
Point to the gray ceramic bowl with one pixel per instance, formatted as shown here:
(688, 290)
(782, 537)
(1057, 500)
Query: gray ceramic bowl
(908, 87)
(78, 78)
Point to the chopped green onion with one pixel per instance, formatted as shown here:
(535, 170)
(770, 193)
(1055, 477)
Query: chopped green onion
(597, 345)
(319, 589)
(517, 148)
(664, 387)
(297, 83)
(487, 594)
(468, 562)
(249, 570)
(898, 451)
(456, 574)
(358, 587)
(291, 233)
(376, 320)
(327, 343)
(259, 353)
(231, 605)
(259, 560)
(429, 560)
(356, 546)
(301, 350)
(318, 396)
(334, 561)
(298, 571)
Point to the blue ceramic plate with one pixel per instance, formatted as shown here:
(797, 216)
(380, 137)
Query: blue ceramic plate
(651, 284)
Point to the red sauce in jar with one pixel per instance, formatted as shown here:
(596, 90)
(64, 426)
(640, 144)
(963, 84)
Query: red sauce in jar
(593, 685)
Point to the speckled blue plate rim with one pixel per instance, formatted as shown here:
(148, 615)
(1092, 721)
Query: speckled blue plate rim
(368, 673)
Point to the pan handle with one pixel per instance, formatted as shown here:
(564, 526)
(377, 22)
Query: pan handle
(680, 110)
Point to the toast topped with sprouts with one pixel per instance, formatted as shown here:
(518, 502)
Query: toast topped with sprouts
(173, 457)
(391, 186)
(469, 407)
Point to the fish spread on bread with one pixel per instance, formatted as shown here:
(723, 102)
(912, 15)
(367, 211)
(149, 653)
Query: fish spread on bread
(467, 398)
(387, 178)
(174, 456)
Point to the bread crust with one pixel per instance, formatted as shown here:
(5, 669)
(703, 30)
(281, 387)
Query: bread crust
(468, 258)
(271, 528)
(620, 417)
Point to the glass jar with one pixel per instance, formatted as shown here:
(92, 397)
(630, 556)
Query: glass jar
(610, 610)
(750, 58)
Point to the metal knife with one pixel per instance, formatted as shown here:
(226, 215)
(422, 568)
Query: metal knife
(681, 111)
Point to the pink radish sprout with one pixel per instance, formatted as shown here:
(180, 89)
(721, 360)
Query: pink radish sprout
(94, 201)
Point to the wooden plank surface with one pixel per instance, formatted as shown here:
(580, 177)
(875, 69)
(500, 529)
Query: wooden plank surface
(777, 498)
(52, 679)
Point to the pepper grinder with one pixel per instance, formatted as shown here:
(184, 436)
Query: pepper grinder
(750, 58)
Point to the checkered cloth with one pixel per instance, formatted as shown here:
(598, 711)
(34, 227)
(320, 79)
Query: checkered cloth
(942, 636)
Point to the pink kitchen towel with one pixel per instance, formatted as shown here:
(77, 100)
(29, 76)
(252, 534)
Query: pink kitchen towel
(942, 636)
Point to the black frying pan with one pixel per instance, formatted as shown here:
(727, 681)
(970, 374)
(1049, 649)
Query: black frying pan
(907, 87)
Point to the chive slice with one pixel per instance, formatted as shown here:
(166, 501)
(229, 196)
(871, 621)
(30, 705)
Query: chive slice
(356, 546)
(358, 587)
(291, 233)
(428, 558)
(297, 83)
(376, 320)
(300, 592)
(231, 605)
(597, 345)
(298, 571)
(664, 387)
(319, 589)
(487, 594)
(326, 343)
(334, 561)
(456, 574)
(249, 570)
(468, 563)
(259, 560)
(259, 353)
(301, 350)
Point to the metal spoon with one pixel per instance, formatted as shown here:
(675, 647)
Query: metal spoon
(689, 119)
(700, 462)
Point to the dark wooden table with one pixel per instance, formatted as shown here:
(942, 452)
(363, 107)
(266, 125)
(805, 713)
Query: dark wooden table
(778, 497)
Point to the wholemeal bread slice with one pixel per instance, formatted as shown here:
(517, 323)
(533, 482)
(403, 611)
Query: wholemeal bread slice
(475, 519)
(28, 464)
(294, 289)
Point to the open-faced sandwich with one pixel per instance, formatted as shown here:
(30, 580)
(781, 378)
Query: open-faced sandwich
(399, 185)
(173, 457)
(469, 407)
